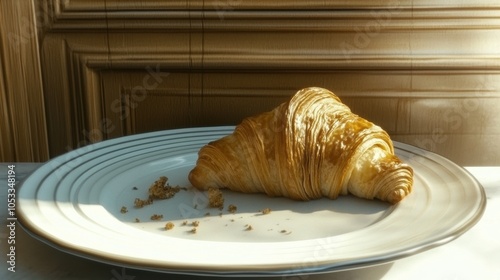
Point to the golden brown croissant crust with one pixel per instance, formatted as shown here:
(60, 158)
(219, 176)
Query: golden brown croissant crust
(309, 147)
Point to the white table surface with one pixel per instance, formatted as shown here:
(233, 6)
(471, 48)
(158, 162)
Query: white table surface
(474, 255)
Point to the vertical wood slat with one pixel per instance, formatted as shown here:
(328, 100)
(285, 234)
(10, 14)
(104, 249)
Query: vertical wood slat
(23, 127)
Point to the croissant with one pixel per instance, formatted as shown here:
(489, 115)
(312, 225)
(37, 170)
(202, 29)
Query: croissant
(310, 147)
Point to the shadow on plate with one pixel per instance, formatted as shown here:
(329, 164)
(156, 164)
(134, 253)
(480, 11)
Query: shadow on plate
(191, 203)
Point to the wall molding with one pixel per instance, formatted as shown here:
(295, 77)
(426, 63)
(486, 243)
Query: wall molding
(262, 16)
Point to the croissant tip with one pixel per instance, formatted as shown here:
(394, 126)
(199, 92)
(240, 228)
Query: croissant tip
(199, 179)
(396, 196)
(193, 179)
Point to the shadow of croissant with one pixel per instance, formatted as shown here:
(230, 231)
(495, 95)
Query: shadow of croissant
(191, 203)
(258, 213)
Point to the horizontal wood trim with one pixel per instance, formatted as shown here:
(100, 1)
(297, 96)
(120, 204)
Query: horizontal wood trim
(265, 16)
(270, 63)
(119, 5)
(471, 51)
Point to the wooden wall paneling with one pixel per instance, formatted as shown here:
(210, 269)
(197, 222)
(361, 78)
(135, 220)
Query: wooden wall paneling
(464, 150)
(115, 109)
(71, 87)
(150, 66)
(161, 109)
(7, 148)
(249, 93)
(134, 106)
(23, 131)
(74, 64)
(413, 62)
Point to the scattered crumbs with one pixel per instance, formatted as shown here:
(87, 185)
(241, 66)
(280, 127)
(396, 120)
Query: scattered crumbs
(137, 220)
(135, 188)
(169, 226)
(139, 203)
(184, 223)
(232, 208)
(248, 227)
(215, 198)
(266, 211)
(160, 189)
(156, 217)
(232, 220)
(193, 230)
(195, 223)
(123, 210)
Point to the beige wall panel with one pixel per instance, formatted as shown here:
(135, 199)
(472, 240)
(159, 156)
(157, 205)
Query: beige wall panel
(472, 116)
(232, 109)
(465, 150)
(384, 112)
(154, 96)
(160, 111)
(342, 83)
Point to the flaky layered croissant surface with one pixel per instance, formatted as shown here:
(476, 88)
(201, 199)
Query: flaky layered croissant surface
(310, 147)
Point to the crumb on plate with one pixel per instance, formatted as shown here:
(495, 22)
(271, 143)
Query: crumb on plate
(139, 203)
(266, 211)
(169, 226)
(232, 208)
(215, 198)
(156, 217)
(160, 189)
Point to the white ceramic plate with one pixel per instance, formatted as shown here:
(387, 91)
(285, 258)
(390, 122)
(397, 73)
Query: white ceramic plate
(74, 203)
